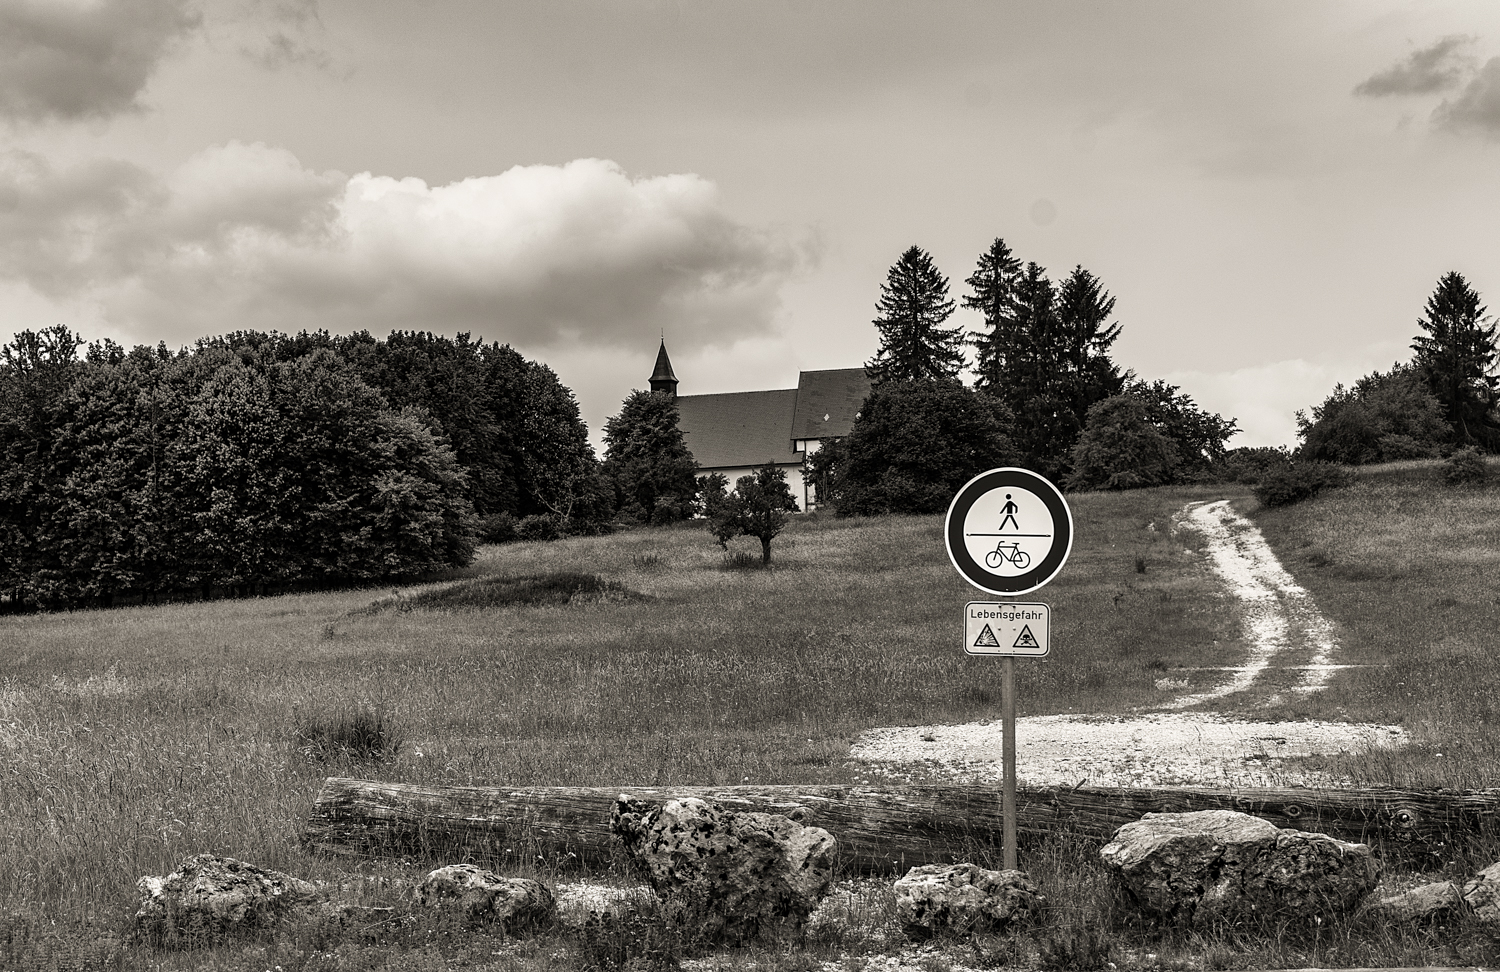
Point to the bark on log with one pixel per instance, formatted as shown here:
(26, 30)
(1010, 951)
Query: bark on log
(878, 828)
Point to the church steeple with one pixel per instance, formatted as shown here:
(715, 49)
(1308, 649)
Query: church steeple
(662, 378)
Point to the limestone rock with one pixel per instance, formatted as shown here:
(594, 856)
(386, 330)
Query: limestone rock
(1482, 894)
(963, 898)
(486, 896)
(734, 875)
(1214, 865)
(210, 895)
(1430, 902)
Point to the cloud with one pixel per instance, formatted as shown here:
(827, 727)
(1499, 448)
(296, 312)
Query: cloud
(76, 59)
(244, 236)
(1441, 67)
(289, 40)
(1477, 106)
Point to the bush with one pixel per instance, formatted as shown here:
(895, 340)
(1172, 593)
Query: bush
(1466, 467)
(497, 528)
(1250, 464)
(1121, 449)
(540, 526)
(1300, 481)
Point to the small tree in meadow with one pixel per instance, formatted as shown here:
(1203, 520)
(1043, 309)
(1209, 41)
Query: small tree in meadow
(1121, 449)
(758, 507)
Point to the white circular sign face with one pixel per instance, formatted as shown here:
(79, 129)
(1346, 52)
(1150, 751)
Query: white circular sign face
(1009, 531)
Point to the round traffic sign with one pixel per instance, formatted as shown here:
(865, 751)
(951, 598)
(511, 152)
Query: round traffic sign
(1009, 531)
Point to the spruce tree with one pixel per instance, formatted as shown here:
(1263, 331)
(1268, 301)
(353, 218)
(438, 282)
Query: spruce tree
(1457, 355)
(914, 303)
(992, 288)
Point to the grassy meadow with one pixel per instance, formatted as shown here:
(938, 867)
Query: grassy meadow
(1409, 570)
(131, 739)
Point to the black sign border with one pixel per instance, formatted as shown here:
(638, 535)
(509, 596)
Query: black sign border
(969, 494)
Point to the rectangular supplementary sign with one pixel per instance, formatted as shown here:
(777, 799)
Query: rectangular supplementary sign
(1007, 628)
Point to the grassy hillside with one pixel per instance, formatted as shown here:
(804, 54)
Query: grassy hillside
(1409, 569)
(132, 739)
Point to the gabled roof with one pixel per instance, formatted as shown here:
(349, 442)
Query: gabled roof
(827, 402)
(739, 428)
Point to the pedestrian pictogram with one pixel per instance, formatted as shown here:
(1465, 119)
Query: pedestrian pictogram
(1009, 531)
(989, 627)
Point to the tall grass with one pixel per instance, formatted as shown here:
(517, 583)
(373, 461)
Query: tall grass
(134, 738)
(1407, 568)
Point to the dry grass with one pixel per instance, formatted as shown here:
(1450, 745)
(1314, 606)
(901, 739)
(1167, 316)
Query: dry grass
(132, 739)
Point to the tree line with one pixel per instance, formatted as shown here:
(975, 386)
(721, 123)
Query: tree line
(1046, 394)
(1443, 399)
(252, 463)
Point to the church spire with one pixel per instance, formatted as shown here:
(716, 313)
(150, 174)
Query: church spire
(662, 378)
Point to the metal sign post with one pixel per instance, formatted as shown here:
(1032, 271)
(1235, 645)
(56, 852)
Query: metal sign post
(1008, 532)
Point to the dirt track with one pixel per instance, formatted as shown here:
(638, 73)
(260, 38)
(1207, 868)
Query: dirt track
(1293, 648)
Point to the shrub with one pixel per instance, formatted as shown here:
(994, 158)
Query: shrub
(1121, 449)
(540, 526)
(1250, 464)
(497, 528)
(1300, 481)
(1466, 467)
(362, 734)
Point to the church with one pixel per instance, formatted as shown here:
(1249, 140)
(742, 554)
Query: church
(734, 432)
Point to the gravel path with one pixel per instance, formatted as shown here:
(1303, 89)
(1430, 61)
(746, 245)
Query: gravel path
(1169, 746)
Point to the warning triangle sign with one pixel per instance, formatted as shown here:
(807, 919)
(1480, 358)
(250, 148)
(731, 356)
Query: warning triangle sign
(987, 639)
(1025, 639)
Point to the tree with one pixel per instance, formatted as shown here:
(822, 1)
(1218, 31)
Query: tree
(1383, 418)
(1044, 352)
(1121, 449)
(647, 460)
(915, 443)
(1199, 436)
(758, 507)
(1457, 356)
(914, 303)
(992, 292)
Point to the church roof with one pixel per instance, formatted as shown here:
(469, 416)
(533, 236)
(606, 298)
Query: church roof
(739, 428)
(663, 371)
(827, 402)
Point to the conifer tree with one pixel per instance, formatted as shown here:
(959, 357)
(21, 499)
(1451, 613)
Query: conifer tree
(992, 292)
(1457, 354)
(914, 303)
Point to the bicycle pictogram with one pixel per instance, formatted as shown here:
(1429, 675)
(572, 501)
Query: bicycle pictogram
(1016, 556)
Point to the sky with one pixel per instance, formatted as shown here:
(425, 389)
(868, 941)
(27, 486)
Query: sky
(1270, 190)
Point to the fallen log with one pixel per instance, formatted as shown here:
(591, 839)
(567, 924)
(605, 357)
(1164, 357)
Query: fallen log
(878, 828)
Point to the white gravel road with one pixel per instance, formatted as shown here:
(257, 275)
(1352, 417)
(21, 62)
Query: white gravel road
(1168, 745)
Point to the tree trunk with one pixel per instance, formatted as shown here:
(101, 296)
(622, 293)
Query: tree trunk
(878, 828)
(765, 551)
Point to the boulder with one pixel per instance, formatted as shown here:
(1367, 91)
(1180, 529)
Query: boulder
(734, 875)
(484, 896)
(1219, 865)
(209, 895)
(1430, 902)
(963, 898)
(1482, 895)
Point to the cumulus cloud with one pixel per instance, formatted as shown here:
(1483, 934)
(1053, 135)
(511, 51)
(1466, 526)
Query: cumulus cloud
(1441, 67)
(75, 59)
(246, 236)
(1477, 106)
